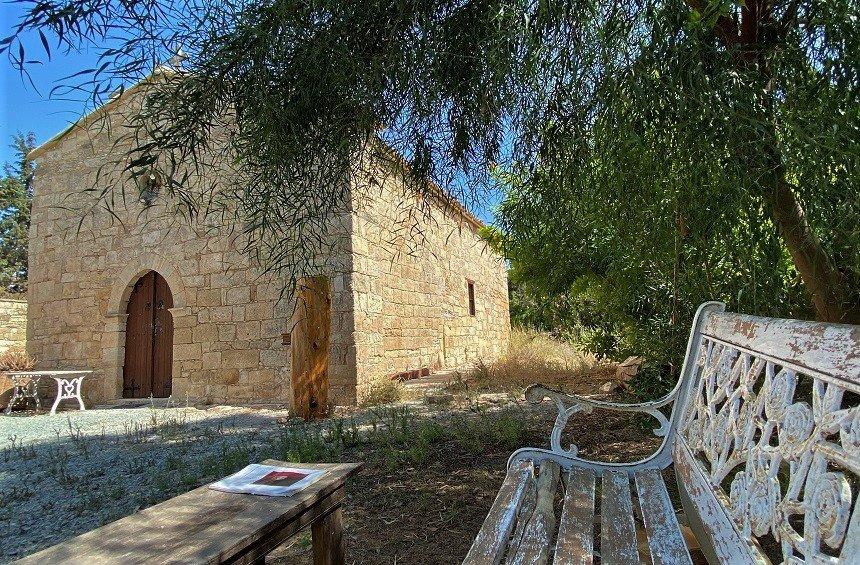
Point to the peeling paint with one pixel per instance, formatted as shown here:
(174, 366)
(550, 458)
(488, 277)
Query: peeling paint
(720, 426)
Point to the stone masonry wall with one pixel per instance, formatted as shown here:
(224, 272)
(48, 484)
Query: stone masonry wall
(398, 280)
(13, 334)
(410, 284)
(13, 323)
(228, 319)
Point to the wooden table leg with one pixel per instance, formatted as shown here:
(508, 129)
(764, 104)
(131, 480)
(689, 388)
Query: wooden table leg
(328, 539)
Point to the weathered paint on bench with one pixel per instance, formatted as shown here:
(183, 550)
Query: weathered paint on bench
(661, 524)
(492, 540)
(758, 400)
(574, 543)
(533, 545)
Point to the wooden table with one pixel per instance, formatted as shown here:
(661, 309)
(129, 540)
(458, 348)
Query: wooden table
(68, 387)
(209, 526)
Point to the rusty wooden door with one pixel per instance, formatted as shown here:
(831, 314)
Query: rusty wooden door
(148, 339)
(310, 348)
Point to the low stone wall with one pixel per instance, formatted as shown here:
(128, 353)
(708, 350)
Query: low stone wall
(13, 324)
(13, 334)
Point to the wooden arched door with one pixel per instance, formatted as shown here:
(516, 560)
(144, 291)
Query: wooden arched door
(148, 339)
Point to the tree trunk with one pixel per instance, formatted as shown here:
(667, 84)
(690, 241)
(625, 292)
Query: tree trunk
(829, 287)
(830, 291)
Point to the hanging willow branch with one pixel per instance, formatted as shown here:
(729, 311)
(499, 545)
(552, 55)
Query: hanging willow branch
(755, 97)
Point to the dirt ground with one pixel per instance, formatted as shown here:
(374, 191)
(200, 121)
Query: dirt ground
(433, 461)
(430, 513)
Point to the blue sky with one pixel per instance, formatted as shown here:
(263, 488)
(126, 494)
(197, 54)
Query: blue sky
(24, 109)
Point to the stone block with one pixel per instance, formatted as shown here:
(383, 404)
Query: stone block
(226, 332)
(248, 330)
(222, 314)
(211, 359)
(240, 359)
(187, 351)
(182, 336)
(206, 333)
(240, 295)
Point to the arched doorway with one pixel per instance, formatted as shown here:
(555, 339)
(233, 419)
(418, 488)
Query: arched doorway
(148, 339)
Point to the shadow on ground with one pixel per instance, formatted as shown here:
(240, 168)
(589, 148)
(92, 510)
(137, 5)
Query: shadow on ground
(426, 487)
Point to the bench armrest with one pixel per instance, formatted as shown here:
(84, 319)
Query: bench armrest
(568, 405)
(536, 393)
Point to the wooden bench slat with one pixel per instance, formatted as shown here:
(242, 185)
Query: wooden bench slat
(527, 508)
(617, 528)
(665, 540)
(490, 543)
(575, 543)
(534, 546)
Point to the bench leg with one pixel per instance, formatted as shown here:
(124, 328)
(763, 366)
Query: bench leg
(328, 539)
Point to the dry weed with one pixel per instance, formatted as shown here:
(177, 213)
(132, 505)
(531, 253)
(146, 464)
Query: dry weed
(16, 360)
(535, 357)
(379, 391)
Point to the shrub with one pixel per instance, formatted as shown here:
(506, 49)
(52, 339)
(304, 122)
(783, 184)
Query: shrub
(16, 360)
(379, 391)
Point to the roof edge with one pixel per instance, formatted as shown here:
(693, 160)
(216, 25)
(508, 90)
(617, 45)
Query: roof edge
(449, 199)
(88, 118)
(81, 123)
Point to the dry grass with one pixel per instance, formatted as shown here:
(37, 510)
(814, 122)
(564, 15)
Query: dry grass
(381, 391)
(16, 360)
(537, 357)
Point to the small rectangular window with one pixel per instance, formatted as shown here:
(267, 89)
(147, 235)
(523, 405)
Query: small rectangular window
(470, 285)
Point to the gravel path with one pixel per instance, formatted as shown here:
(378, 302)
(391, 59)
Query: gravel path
(66, 474)
(28, 429)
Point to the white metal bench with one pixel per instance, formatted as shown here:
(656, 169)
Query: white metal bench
(764, 436)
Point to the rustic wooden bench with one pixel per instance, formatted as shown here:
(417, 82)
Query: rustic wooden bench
(764, 438)
(209, 526)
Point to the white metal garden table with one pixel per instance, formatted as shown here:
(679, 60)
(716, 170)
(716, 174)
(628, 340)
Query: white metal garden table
(68, 386)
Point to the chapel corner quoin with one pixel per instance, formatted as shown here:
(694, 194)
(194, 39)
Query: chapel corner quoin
(157, 306)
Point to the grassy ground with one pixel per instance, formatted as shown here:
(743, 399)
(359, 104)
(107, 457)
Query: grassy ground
(428, 484)
(432, 467)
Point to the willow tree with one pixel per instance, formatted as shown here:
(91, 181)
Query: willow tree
(685, 106)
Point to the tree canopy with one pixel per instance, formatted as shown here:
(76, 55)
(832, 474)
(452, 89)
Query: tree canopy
(670, 141)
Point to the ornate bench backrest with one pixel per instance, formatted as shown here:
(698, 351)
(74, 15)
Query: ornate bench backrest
(767, 444)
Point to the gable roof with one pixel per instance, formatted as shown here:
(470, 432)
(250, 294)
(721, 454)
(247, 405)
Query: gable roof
(84, 121)
(448, 200)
